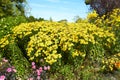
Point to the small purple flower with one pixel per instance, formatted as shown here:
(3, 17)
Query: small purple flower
(38, 72)
(33, 67)
(13, 67)
(48, 67)
(30, 79)
(45, 68)
(38, 77)
(14, 70)
(33, 63)
(9, 70)
(4, 60)
(2, 77)
(40, 69)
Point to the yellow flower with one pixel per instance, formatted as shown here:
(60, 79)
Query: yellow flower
(92, 15)
(75, 53)
(47, 39)
(31, 58)
(111, 68)
(36, 54)
(82, 41)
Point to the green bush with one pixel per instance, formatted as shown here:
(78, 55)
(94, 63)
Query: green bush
(16, 57)
(7, 23)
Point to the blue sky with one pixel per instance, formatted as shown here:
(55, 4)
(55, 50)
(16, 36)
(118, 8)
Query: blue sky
(58, 9)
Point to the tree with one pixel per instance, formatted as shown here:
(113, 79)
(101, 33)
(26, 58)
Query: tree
(103, 6)
(12, 7)
(63, 21)
(78, 19)
(31, 19)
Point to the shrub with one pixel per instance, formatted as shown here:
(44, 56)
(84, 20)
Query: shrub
(54, 41)
(111, 63)
(110, 22)
(39, 73)
(7, 72)
(7, 23)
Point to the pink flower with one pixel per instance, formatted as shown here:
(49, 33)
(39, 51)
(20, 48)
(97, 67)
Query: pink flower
(38, 72)
(2, 77)
(38, 77)
(45, 68)
(33, 67)
(40, 69)
(4, 60)
(33, 63)
(13, 67)
(9, 70)
(30, 79)
(14, 70)
(48, 67)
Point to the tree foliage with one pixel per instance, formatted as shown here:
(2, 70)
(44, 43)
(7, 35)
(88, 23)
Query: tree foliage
(12, 7)
(32, 19)
(103, 6)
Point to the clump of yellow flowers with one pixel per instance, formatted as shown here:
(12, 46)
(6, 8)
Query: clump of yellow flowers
(111, 22)
(92, 16)
(49, 39)
(111, 63)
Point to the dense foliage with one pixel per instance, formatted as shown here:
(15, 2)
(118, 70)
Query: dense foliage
(112, 23)
(74, 51)
(52, 40)
(12, 7)
(6, 24)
